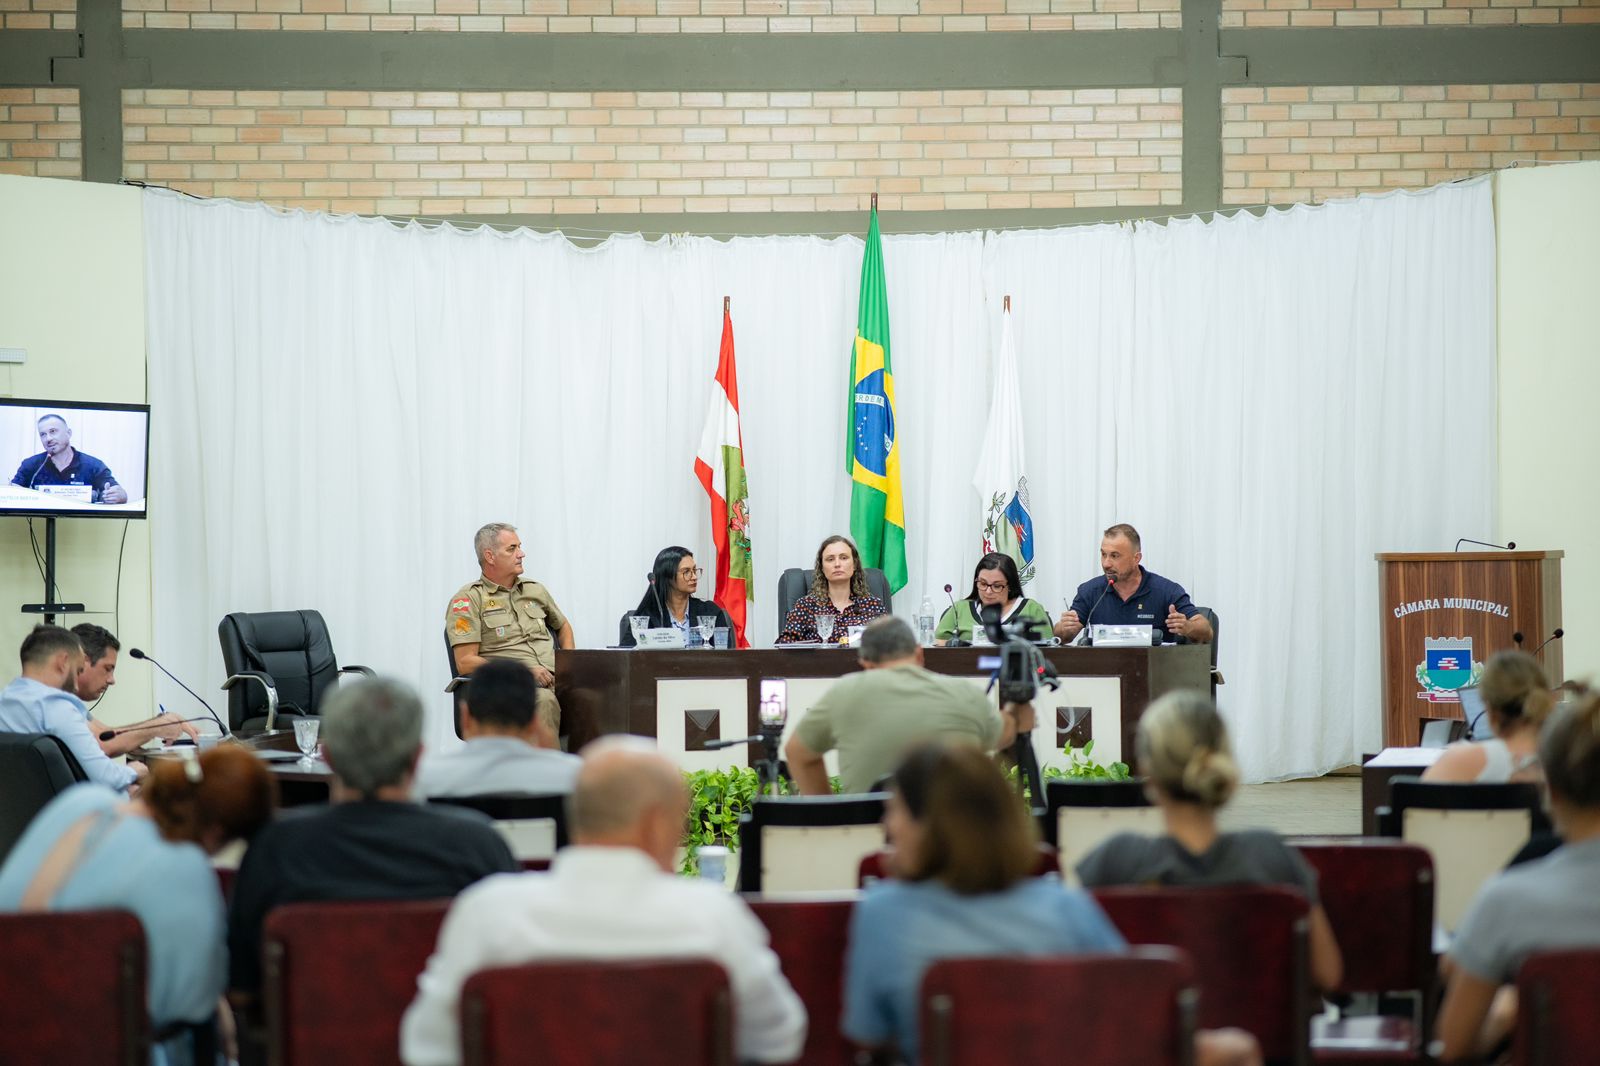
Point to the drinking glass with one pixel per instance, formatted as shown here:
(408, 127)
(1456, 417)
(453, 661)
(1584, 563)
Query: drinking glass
(705, 624)
(825, 628)
(305, 738)
(638, 623)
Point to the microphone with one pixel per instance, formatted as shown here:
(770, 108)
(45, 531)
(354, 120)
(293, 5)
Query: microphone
(1086, 639)
(656, 592)
(110, 734)
(1508, 546)
(137, 654)
(1516, 638)
(1557, 635)
(955, 640)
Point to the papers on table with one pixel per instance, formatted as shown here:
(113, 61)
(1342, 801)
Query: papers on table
(1405, 757)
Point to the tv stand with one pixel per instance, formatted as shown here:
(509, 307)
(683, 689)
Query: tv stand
(50, 608)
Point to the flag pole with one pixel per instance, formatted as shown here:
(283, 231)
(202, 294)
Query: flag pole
(727, 302)
(1008, 302)
(874, 201)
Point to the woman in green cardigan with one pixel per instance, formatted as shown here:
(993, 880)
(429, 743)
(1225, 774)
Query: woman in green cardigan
(994, 581)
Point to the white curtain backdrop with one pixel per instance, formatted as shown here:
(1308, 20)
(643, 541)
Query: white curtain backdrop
(338, 403)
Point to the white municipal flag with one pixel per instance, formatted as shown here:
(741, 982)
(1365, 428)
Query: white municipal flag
(1000, 481)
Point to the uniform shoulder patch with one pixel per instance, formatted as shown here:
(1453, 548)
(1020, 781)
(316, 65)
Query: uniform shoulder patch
(463, 625)
(461, 605)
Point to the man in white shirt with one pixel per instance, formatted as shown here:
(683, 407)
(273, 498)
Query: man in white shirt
(612, 895)
(509, 748)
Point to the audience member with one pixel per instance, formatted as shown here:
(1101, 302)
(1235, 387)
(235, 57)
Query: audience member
(874, 717)
(91, 849)
(1184, 751)
(44, 700)
(963, 850)
(509, 748)
(1516, 701)
(613, 894)
(372, 842)
(99, 673)
(1544, 905)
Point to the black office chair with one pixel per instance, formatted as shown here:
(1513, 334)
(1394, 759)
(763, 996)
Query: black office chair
(808, 843)
(278, 662)
(796, 582)
(1216, 675)
(458, 683)
(35, 767)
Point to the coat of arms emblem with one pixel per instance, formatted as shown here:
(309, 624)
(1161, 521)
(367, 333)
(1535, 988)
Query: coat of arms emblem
(1445, 667)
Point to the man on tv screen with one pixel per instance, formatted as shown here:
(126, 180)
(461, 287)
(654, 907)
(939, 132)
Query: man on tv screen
(64, 470)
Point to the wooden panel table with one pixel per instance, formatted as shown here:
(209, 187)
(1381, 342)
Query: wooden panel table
(633, 690)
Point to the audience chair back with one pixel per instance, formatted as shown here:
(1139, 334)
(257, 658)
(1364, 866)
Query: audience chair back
(1470, 830)
(659, 1012)
(338, 976)
(1082, 815)
(1378, 895)
(35, 767)
(809, 937)
(1249, 949)
(74, 988)
(534, 826)
(808, 843)
(875, 867)
(288, 650)
(1136, 1009)
(1557, 1023)
(796, 582)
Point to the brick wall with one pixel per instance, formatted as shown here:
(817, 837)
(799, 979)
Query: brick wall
(1265, 13)
(578, 153)
(38, 14)
(40, 133)
(650, 16)
(1282, 145)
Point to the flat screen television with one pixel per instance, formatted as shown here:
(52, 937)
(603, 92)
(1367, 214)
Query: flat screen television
(69, 458)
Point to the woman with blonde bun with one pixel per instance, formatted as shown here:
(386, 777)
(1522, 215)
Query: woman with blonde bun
(1190, 774)
(1516, 701)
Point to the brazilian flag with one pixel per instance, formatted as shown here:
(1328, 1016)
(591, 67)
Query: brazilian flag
(872, 451)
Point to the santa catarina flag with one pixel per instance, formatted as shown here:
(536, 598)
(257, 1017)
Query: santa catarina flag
(719, 465)
(872, 450)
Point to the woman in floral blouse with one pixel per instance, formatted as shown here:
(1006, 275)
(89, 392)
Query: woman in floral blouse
(838, 588)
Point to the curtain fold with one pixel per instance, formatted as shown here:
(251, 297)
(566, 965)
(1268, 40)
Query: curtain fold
(338, 403)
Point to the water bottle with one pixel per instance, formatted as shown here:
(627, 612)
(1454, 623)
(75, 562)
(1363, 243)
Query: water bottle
(925, 623)
(714, 863)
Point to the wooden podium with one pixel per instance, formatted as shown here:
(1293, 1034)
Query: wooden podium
(1444, 614)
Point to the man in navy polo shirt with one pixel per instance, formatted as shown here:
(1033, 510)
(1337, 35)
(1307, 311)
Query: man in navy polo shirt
(1130, 595)
(61, 466)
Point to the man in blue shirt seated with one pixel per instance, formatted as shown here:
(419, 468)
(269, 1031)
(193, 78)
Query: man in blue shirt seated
(42, 700)
(1130, 595)
(509, 749)
(61, 465)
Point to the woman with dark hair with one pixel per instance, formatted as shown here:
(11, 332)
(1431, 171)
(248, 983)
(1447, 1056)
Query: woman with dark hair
(995, 582)
(1185, 753)
(838, 589)
(92, 849)
(1549, 904)
(963, 852)
(1516, 701)
(669, 601)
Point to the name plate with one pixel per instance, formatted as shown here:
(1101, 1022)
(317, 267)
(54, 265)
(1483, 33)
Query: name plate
(1122, 636)
(668, 637)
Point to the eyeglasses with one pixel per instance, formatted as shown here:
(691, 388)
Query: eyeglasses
(692, 571)
(992, 586)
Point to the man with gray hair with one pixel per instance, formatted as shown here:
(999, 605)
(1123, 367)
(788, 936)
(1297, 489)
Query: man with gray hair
(611, 895)
(372, 841)
(503, 616)
(873, 717)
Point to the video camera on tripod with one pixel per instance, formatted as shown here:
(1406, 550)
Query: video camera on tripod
(1019, 671)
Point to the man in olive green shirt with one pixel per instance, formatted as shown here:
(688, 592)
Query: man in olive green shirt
(502, 616)
(873, 717)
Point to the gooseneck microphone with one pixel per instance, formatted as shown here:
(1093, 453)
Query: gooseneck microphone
(1086, 638)
(1508, 546)
(656, 592)
(955, 640)
(110, 734)
(137, 654)
(1557, 635)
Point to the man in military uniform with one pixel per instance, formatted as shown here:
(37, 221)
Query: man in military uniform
(63, 469)
(502, 616)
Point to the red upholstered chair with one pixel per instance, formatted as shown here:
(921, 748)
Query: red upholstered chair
(809, 937)
(657, 1012)
(337, 977)
(1248, 944)
(1557, 1020)
(1125, 1010)
(1378, 895)
(875, 867)
(73, 988)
